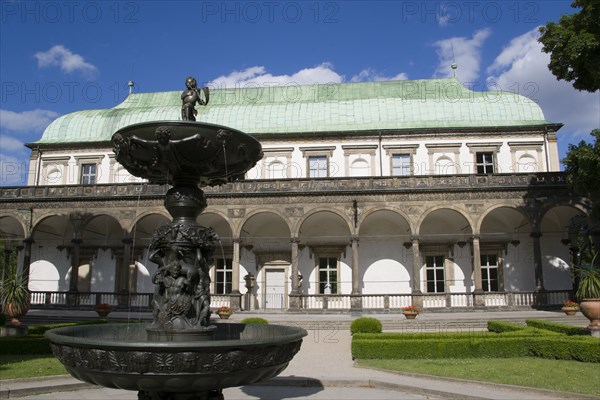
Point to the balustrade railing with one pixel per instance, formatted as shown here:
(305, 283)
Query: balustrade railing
(143, 301)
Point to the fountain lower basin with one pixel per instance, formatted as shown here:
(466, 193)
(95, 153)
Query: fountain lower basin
(121, 356)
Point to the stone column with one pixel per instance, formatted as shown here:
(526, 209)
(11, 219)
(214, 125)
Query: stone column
(125, 266)
(74, 265)
(236, 299)
(295, 296)
(6, 263)
(28, 241)
(417, 298)
(476, 254)
(356, 295)
(540, 291)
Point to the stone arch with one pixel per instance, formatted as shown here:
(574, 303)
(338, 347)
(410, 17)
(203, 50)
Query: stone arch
(51, 250)
(385, 260)
(326, 235)
(317, 210)
(556, 246)
(505, 241)
(428, 213)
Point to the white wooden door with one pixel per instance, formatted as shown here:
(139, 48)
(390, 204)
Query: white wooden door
(274, 289)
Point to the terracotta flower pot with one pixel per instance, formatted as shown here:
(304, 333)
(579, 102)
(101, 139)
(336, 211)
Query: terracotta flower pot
(14, 313)
(570, 310)
(591, 309)
(410, 315)
(224, 314)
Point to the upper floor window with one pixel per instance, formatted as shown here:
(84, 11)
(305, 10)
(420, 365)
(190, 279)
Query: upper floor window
(317, 167)
(88, 174)
(485, 162)
(400, 164)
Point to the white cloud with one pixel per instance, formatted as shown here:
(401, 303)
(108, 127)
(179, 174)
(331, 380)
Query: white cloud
(466, 52)
(522, 67)
(258, 75)
(60, 56)
(13, 161)
(34, 120)
(369, 74)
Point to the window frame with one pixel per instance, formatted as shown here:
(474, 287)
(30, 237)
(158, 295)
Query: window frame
(88, 178)
(223, 266)
(435, 270)
(335, 289)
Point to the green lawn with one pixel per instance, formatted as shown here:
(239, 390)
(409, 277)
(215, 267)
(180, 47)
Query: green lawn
(561, 375)
(29, 366)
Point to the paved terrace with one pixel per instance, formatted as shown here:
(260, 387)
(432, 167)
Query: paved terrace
(323, 369)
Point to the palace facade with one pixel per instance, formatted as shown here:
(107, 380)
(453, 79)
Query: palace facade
(370, 195)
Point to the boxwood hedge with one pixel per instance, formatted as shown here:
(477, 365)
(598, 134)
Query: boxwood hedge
(557, 327)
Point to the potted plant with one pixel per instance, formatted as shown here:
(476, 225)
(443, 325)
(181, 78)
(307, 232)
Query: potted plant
(570, 307)
(410, 312)
(224, 312)
(103, 309)
(588, 292)
(15, 296)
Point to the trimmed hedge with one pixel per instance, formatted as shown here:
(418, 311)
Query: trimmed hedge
(504, 326)
(489, 347)
(557, 327)
(547, 345)
(586, 349)
(41, 329)
(254, 320)
(366, 325)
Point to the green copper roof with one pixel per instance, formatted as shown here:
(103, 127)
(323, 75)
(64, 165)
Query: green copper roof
(431, 103)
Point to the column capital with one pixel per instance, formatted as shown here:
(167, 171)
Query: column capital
(355, 238)
(295, 240)
(76, 241)
(415, 239)
(127, 240)
(236, 240)
(536, 234)
(475, 237)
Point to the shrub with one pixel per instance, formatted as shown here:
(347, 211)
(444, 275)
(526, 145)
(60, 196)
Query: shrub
(41, 329)
(487, 347)
(556, 327)
(503, 326)
(254, 320)
(586, 349)
(365, 325)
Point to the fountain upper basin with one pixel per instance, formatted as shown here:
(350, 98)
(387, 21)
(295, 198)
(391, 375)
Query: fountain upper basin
(185, 151)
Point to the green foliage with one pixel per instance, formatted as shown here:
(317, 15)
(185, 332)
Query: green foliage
(41, 329)
(476, 347)
(528, 341)
(254, 320)
(582, 169)
(557, 327)
(574, 46)
(366, 325)
(14, 289)
(589, 282)
(503, 326)
(584, 348)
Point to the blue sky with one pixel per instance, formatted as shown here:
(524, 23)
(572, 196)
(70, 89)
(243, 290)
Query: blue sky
(58, 57)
